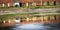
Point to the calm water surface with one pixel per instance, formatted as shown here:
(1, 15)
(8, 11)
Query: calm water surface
(32, 26)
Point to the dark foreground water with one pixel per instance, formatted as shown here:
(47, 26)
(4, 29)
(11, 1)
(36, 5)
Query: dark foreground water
(32, 26)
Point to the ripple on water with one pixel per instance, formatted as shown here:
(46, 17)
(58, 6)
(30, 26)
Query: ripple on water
(33, 26)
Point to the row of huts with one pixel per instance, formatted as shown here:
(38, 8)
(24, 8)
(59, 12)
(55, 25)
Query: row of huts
(8, 3)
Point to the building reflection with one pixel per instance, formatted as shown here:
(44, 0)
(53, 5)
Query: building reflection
(32, 19)
(42, 18)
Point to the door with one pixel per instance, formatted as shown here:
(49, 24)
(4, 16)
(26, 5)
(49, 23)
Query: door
(20, 4)
(54, 3)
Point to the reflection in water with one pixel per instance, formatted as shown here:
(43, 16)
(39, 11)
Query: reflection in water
(32, 26)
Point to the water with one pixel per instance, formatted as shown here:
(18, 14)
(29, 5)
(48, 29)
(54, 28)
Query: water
(32, 26)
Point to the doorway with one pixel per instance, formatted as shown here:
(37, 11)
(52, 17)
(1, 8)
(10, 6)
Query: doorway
(20, 4)
(48, 3)
(54, 3)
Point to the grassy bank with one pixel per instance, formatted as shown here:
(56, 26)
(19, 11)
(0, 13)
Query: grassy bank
(29, 7)
(11, 16)
(23, 15)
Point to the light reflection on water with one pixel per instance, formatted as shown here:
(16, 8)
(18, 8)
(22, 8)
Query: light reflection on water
(33, 26)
